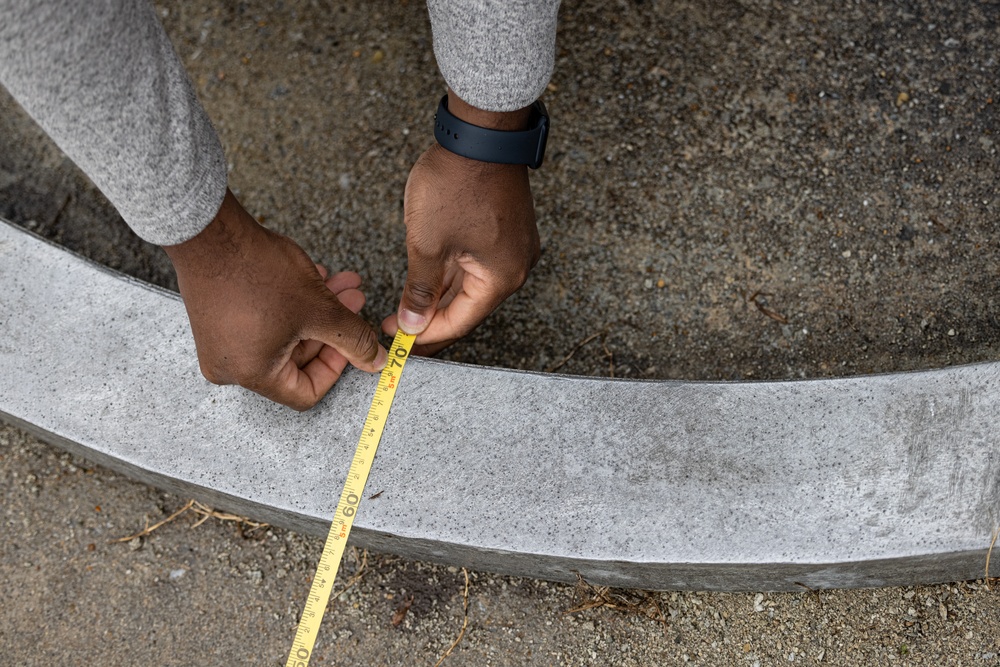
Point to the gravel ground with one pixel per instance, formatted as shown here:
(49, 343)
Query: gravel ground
(733, 190)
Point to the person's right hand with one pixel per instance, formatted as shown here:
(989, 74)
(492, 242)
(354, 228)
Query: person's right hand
(471, 237)
(265, 317)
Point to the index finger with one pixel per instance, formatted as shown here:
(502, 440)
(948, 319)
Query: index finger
(470, 306)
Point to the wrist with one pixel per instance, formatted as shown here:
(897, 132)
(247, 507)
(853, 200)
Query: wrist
(229, 231)
(493, 120)
(459, 167)
(514, 137)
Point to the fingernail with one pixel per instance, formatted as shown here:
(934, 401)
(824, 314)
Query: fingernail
(411, 322)
(381, 359)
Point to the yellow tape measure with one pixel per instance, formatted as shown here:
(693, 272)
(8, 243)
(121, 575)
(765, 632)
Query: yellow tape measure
(343, 519)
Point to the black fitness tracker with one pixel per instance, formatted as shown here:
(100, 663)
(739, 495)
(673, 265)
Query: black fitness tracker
(504, 147)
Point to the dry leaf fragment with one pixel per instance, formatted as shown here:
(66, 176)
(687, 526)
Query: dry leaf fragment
(400, 614)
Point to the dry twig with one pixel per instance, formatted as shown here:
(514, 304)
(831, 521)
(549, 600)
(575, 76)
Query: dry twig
(206, 514)
(814, 591)
(356, 577)
(465, 620)
(989, 552)
(149, 529)
(773, 314)
(611, 357)
(556, 366)
(643, 603)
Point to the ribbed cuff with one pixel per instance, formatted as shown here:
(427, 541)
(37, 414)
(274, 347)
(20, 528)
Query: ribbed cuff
(497, 55)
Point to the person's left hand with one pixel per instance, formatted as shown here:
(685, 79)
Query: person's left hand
(264, 316)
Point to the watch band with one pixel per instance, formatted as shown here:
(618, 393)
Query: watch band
(503, 147)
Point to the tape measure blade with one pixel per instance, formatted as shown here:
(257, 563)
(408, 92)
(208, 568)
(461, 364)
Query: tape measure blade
(350, 499)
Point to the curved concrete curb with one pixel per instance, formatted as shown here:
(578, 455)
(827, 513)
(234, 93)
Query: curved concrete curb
(866, 481)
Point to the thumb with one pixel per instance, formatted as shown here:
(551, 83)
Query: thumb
(424, 284)
(340, 328)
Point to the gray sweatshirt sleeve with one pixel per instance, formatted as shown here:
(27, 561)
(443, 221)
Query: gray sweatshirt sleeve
(103, 80)
(497, 55)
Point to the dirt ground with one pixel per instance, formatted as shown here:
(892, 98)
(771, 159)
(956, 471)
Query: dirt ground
(733, 190)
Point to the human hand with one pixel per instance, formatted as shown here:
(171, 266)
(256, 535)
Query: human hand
(265, 317)
(471, 238)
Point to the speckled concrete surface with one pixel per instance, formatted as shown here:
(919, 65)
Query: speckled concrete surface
(834, 168)
(831, 483)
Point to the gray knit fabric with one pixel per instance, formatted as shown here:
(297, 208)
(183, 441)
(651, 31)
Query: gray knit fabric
(103, 80)
(496, 55)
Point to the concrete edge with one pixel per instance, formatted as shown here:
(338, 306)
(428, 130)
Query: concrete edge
(78, 418)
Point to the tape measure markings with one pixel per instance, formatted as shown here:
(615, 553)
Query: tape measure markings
(347, 506)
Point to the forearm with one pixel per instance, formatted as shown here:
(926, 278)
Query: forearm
(103, 80)
(497, 55)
